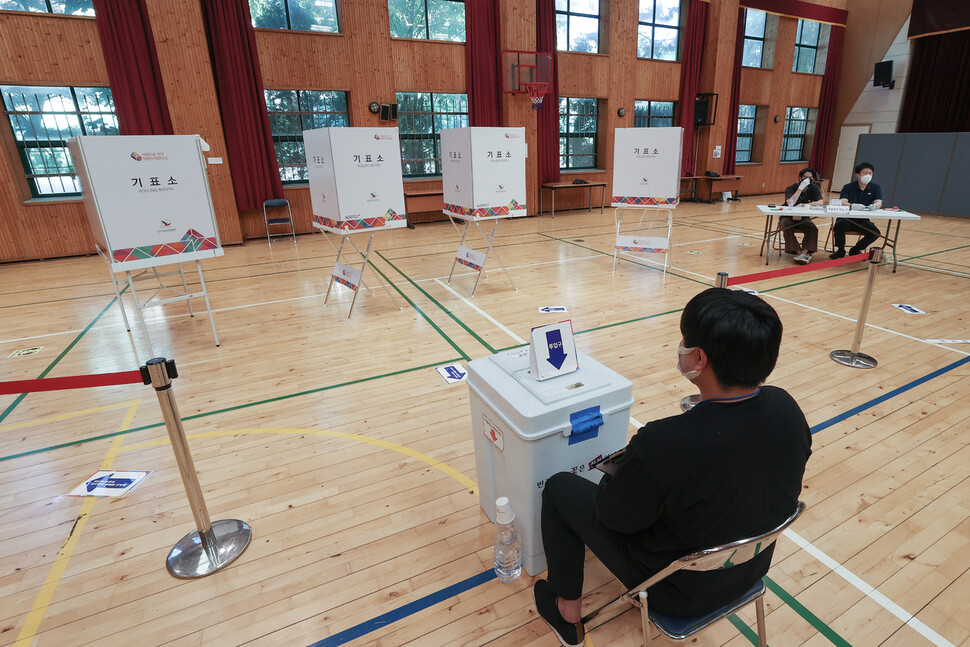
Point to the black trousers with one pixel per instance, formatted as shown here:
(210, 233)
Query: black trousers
(869, 231)
(569, 525)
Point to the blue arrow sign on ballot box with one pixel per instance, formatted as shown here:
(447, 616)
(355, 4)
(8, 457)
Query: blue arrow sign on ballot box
(553, 351)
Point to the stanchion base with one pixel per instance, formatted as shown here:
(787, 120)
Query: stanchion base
(690, 402)
(188, 559)
(855, 360)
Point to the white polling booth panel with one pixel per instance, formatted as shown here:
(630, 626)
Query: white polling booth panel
(646, 167)
(355, 179)
(147, 198)
(483, 172)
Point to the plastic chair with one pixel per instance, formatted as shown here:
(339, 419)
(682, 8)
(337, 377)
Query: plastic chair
(711, 559)
(274, 203)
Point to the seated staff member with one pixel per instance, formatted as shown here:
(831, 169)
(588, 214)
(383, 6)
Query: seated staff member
(728, 469)
(860, 195)
(806, 192)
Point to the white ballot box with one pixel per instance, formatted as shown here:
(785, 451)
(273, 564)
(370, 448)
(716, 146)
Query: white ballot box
(525, 431)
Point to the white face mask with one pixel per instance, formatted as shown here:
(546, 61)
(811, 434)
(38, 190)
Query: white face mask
(691, 374)
(865, 179)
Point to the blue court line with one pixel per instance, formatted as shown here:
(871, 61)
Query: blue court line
(886, 396)
(412, 607)
(434, 598)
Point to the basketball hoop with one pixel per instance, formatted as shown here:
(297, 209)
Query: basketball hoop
(536, 92)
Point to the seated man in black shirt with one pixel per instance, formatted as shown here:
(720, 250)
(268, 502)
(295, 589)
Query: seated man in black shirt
(728, 469)
(806, 192)
(860, 195)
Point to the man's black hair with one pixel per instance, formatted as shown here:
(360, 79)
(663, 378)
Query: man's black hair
(810, 170)
(864, 165)
(739, 332)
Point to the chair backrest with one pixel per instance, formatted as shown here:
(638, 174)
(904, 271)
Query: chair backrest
(275, 202)
(725, 555)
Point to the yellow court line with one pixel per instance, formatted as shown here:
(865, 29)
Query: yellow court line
(64, 416)
(377, 442)
(43, 600)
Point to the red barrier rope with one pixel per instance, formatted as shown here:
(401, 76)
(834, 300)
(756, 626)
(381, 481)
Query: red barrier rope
(75, 382)
(798, 269)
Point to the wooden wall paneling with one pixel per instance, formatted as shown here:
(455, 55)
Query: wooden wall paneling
(299, 60)
(53, 50)
(585, 75)
(50, 49)
(432, 66)
(518, 32)
(183, 56)
(656, 80)
(716, 75)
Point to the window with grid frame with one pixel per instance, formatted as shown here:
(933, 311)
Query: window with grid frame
(755, 23)
(578, 26)
(793, 141)
(295, 15)
(293, 111)
(747, 117)
(69, 7)
(658, 32)
(806, 46)
(44, 119)
(428, 19)
(653, 114)
(421, 116)
(578, 121)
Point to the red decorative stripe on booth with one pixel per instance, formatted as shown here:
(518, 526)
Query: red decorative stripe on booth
(798, 269)
(75, 382)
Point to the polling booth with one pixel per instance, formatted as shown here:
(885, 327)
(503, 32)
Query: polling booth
(537, 411)
(148, 205)
(356, 187)
(646, 177)
(483, 179)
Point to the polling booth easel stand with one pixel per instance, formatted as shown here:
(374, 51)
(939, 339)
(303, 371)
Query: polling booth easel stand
(483, 178)
(148, 205)
(646, 176)
(355, 187)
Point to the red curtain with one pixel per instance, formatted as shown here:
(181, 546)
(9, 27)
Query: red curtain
(690, 77)
(938, 86)
(483, 63)
(734, 105)
(235, 65)
(132, 63)
(826, 100)
(548, 117)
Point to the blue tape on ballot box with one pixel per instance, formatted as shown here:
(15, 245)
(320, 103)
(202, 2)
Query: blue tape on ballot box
(586, 424)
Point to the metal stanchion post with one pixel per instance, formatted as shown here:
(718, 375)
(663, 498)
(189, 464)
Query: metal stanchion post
(853, 357)
(211, 546)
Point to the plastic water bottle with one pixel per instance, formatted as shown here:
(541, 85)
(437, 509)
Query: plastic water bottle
(508, 543)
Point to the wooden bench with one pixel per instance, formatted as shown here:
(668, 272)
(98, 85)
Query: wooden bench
(424, 205)
(711, 186)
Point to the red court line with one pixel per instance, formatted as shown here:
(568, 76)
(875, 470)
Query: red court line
(75, 382)
(798, 269)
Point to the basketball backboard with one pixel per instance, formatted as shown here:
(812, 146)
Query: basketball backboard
(520, 68)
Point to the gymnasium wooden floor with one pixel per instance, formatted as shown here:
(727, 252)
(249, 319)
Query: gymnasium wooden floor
(352, 458)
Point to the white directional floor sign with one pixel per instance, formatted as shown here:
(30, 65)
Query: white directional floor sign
(452, 373)
(553, 351)
(110, 484)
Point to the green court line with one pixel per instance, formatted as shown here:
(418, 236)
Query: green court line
(801, 610)
(745, 630)
(229, 409)
(649, 267)
(50, 367)
(463, 354)
(437, 303)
